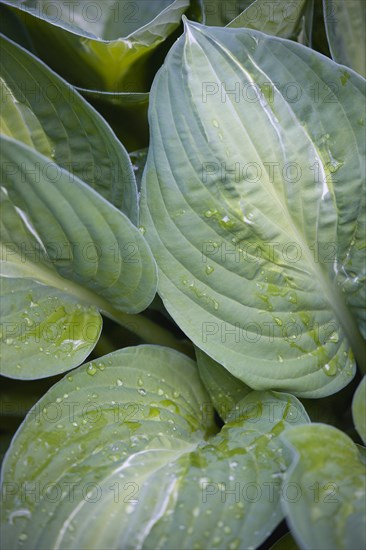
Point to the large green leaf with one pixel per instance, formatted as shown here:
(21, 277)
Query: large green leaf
(254, 206)
(43, 111)
(145, 472)
(359, 409)
(100, 44)
(326, 500)
(345, 23)
(281, 18)
(224, 389)
(65, 252)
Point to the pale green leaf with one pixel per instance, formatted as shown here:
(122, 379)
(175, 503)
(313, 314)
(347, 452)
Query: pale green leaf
(359, 409)
(224, 389)
(325, 503)
(280, 18)
(137, 454)
(65, 251)
(254, 206)
(43, 111)
(345, 23)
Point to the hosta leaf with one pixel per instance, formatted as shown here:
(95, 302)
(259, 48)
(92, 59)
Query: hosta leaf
(63, 246)
(359, 409)
(144, 471)
(43, 111)
(224, 389)
(254, 206)
(329, 509)
(345, 23)
(282, 18)
(99, 45)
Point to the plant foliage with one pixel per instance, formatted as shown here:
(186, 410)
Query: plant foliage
(182, 274)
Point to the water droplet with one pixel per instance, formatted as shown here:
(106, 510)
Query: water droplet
(330, 369)
(91, 369)
(142, 229)
(278, 321)
(210, 213)
(130, 509)
(22, 537)
(100, 366)
(160, 391)
(176, 394)
(119, 382)
(215, 123)
(209, 269)
(140, 382)
(334, 338)
(226, 222)
(334, 165)
(196, 512)
(345, 77)
(280, 358)
(292, 298)
(142, 391)
(22, 513)
(70, 379)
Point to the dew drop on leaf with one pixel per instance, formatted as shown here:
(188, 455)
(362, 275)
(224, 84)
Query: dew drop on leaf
(330, 370)
(91, 369)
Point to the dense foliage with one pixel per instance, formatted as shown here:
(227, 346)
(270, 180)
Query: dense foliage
(182, 274)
